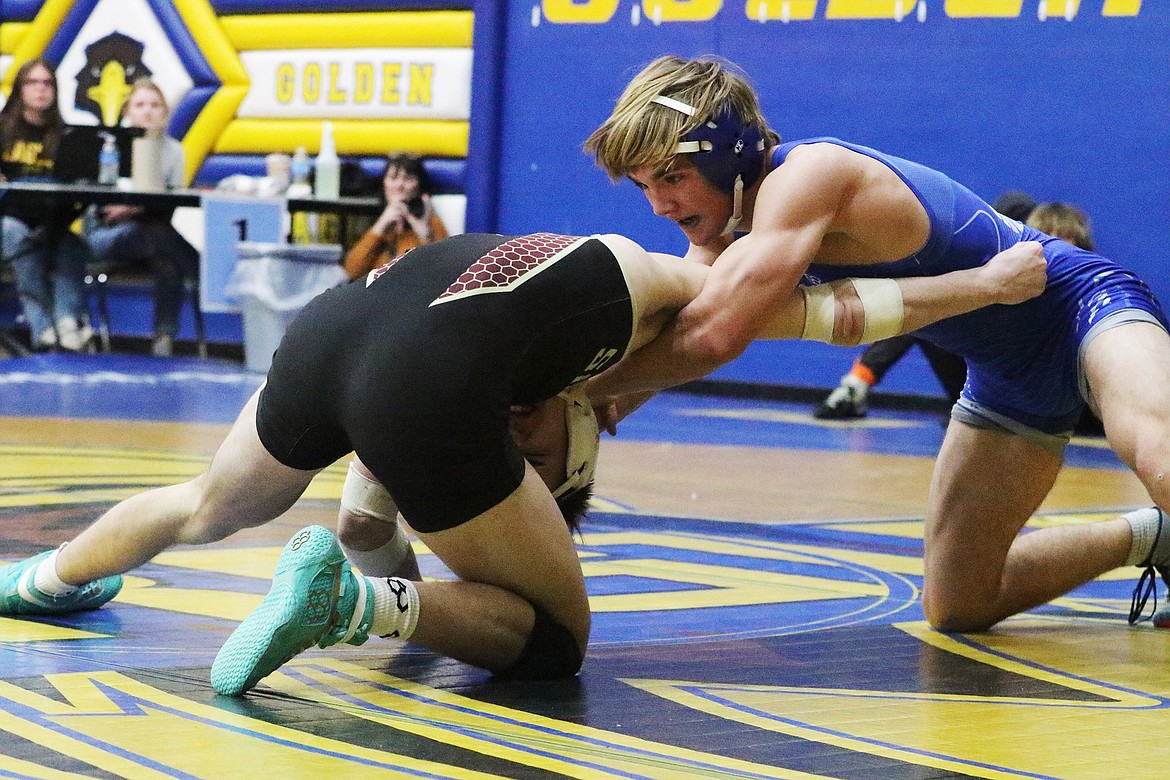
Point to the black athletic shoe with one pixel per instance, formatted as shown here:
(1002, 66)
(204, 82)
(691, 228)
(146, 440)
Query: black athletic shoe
(844, 403)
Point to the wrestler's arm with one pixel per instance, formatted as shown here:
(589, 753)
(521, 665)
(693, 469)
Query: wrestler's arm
(1014, 275)
(750, 281)
(752, 288)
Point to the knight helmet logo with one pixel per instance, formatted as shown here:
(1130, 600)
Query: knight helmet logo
(111, 66)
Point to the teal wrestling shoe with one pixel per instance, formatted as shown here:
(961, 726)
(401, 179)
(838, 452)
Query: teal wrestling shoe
(315, 599)
(19, 594)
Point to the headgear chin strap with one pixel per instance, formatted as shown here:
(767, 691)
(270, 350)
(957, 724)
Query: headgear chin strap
(581, 455)
(727, 152)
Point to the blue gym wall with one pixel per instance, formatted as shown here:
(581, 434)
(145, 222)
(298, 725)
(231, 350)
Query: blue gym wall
(1072, 106)
(1072, 110)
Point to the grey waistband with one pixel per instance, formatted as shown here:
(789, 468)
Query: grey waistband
(978, 416)
(1123, 317)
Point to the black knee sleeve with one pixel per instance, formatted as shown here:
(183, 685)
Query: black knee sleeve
(550, 653)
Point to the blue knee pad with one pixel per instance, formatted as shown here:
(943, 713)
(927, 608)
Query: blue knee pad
(550, 653)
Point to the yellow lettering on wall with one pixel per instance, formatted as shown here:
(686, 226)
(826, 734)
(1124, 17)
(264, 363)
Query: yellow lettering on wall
(578, 11)
(784, 10)
(989, 8)
(1121, 7)
(421, 77)
(311, 86)
(868, 9)
(391, 71)
(681, 10)
(363, 82)
(286, 83)
(336, 94)
(602, 11)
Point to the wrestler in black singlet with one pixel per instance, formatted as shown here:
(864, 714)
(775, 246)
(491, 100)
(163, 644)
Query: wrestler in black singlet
(414, 366)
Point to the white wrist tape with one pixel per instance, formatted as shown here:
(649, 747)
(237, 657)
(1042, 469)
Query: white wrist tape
(820, 312)
(364, 496)
(881, 301)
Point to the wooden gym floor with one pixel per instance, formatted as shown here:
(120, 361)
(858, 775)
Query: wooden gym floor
(754, 574)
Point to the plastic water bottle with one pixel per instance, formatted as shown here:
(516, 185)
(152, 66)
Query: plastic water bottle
(299, 168)
(109, 161)
(327, 185)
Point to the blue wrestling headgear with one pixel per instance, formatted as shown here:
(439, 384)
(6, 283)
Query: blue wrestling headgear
(727, 152)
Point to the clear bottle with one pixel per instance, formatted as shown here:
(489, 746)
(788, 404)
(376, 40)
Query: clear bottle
(327, 184)
(300, 166)
(109, 161)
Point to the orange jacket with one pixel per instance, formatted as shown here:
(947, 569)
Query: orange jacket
(375, 249)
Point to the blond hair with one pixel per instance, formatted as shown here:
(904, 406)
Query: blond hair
(640, 132)
(149, 84)
(1063, 221)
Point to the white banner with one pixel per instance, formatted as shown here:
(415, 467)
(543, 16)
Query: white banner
(358, 84)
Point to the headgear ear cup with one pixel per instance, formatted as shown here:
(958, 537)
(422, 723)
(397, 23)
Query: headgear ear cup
(583, 436)
(727, 152)
(727, 149)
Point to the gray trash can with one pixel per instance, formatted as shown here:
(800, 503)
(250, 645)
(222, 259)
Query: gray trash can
(272, 283)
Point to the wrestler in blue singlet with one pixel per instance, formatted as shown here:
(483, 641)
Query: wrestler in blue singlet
(1023, 361)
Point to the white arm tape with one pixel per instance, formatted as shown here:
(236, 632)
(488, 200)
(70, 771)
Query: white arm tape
(820, 311)
(364, 496)
(881, 302)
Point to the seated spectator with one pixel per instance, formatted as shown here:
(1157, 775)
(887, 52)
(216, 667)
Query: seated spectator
(133, 235)
(407, 221)
(48, 259)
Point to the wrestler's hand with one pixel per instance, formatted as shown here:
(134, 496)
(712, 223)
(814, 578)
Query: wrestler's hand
(1016, 274)
(607, 416)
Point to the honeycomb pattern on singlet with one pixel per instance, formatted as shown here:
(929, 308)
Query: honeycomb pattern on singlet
(373, 275)
(507, 265)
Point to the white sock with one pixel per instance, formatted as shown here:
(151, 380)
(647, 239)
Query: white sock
(395, 607)
(380, 561)
(1145, 541)
(46, 579)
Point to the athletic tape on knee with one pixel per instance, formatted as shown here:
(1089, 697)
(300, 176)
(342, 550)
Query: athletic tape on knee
(364, 496)
(381, 561)
(881, 300)
(550, 653)
(820, 313)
